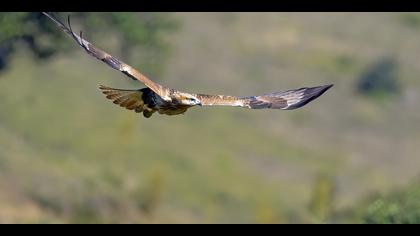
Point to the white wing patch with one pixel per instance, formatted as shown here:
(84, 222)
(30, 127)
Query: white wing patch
(293, 98)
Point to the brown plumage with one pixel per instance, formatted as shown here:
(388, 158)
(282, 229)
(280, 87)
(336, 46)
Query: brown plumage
(143, 100)
(157, 98)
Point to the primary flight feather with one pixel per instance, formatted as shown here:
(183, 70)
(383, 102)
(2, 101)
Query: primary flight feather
(157, 98)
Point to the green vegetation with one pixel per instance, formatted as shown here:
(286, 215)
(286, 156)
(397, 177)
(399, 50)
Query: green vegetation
(322, 200)
(44, 39)
(401, 206)
(380, 80)
(68, 155)
(411, 19)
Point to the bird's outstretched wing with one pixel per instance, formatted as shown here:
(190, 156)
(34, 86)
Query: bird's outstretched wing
(137, 100)
(287, 100)
(109, 59)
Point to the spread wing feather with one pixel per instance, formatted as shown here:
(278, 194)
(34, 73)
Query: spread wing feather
(109, 59)
(287, 100)
(137, 100)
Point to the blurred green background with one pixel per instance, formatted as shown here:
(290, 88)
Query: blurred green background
(67, 155)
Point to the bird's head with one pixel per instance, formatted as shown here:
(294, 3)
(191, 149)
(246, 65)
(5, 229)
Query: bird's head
(189, 99)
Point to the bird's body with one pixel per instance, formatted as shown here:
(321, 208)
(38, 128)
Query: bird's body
(158, 98)
(144, 100)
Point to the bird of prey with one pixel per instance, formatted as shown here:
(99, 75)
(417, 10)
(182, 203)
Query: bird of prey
(158, 98)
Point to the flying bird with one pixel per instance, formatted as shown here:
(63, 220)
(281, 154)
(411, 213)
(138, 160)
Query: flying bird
(158, 98)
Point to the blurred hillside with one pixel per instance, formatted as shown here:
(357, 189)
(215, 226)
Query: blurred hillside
(69, 155)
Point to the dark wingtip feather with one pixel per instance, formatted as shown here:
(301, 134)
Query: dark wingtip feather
(309, 95)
